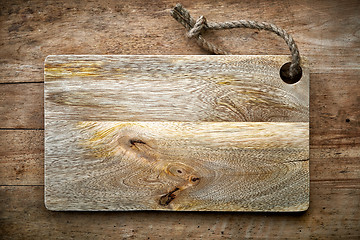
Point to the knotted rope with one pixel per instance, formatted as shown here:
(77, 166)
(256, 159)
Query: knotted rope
(289, 71)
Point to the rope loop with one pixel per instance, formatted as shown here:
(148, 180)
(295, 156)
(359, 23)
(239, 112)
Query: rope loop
(290, 72)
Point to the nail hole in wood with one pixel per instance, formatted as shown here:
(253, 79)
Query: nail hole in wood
(285, 74)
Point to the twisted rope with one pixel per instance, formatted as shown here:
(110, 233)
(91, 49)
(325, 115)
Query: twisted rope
(196, 28)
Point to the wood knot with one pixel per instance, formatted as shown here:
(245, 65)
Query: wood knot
(185, 178)
(137, 146)
(194, 179)
(167, 198)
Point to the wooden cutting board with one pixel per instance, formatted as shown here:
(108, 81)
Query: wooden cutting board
(193, 133)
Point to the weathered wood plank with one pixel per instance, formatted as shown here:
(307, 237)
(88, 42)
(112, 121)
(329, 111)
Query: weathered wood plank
(177, 166)
(21, 157)
(332, 215)
(22, 106)
(173, 88)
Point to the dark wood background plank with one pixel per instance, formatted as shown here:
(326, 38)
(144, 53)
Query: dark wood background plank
(327, 32)
(22, 157)
(329, 199)
(22, 106)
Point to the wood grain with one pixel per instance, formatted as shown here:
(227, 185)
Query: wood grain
(177, 166)
(248, 162)
(21, 106)
(21, 157)
(173, 88)
(332, 214)
(33, 29)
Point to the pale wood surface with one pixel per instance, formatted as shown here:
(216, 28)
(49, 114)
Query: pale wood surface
(173, 88)
(210, 165)
(177, 166)
(326, 32)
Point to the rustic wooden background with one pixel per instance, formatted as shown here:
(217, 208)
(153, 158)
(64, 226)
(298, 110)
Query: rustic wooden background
(327, 32)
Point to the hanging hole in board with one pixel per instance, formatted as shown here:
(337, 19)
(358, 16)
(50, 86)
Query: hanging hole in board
(285, 74)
